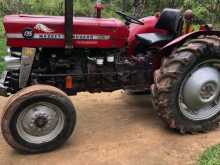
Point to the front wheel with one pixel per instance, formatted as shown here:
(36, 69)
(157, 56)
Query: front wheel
(186, 90)
(38, 119)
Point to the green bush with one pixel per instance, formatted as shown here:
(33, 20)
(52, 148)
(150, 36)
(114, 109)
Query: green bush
(32, 6)
(211, 156)
(208, 9)
(1, 29)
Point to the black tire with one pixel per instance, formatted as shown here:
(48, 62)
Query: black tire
(168, 79)
(27, 97)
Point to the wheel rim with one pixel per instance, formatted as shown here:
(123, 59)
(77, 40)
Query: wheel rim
(199, 92)
(40, 123)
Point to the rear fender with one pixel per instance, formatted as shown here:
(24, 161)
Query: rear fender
(167, 49)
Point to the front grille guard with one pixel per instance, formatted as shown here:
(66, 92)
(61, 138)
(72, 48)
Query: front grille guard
(24, 70)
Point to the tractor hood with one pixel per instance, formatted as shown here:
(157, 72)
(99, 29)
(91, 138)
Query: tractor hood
(48, 31)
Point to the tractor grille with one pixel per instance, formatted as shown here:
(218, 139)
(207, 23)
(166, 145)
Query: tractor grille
(12, 67)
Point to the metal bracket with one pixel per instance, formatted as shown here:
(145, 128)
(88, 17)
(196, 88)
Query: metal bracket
(27, 59)
(68, 26)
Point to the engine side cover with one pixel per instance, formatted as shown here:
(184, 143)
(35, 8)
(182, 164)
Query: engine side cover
(48, 31)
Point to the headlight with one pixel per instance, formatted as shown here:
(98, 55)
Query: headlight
(8, 50)
(12, 63)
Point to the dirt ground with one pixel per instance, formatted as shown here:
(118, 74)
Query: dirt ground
(116, 129)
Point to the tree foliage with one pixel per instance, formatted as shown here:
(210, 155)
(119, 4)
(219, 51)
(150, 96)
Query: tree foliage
(208, 10)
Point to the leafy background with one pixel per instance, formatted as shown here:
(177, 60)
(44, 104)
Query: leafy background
(205, 9)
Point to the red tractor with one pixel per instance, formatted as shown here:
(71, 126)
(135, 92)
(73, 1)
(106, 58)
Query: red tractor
(51, 57)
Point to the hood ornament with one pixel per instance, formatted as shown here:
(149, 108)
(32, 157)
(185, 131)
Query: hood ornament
(43, 28)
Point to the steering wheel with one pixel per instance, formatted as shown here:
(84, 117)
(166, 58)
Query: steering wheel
(129, 19)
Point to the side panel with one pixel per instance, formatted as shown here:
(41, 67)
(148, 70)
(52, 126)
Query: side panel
(48, 31)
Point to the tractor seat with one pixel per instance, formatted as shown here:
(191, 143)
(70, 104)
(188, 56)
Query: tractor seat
(171, 21)
(153, 38)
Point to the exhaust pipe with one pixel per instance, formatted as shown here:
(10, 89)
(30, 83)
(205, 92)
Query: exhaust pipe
(99, 8)
(68, 26)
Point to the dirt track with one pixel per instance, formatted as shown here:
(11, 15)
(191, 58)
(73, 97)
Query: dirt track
(116, 129)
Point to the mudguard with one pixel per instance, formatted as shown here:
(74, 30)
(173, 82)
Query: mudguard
(167, 49)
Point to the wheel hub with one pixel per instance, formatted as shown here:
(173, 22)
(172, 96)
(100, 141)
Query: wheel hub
(208, 90)
(40, 122)
(199, 97)
(201, 88)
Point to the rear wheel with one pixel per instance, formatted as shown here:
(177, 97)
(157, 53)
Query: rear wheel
(187, 87)
(38, 119)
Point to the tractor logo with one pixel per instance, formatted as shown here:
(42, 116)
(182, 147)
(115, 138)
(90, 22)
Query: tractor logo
(28, 33)
(43, 28)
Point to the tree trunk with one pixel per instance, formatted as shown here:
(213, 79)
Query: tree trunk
(138, 8)
(124, 5)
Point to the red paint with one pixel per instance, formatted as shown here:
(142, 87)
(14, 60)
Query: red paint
(82, 25)
(166, 50)
(202, 28)
(177, 40)
(69, 82)
(119, 32)
(148, 27)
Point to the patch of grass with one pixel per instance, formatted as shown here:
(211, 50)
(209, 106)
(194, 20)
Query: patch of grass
(211, 156)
